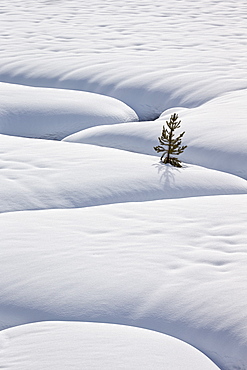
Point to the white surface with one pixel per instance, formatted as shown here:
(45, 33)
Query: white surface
(41, 174)
(54, 114)
(177, 266)
(215, 133)
(67, 345)
(152, 55)
(173, 265)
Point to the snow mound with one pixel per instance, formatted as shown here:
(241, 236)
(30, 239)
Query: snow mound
(152, 56)
(177, 266)
(215, 133)
(53, 113)
(70, 345)
(41, 174)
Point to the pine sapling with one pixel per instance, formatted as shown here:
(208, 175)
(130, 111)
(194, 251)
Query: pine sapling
(169, 144)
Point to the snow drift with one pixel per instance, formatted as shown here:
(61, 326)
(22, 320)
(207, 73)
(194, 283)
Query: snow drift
(64, 345)
(152, 56)
(215, 133)
(177, 266)
(40, 174)
(53, 113)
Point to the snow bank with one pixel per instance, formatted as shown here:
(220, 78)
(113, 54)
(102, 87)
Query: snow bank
(177, 266)
(67, 345)
(215, 133)
(174, 265)
(152, 56)
(54, 114)
(41, 174)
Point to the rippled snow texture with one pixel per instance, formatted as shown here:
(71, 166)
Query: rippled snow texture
(152, 55)
(172, 265)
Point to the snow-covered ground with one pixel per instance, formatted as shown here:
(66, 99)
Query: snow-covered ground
(152, 55)
(43, 174)
(177, 266)
(94, 229)
(216, 134)
(54, 114)
(62, 346)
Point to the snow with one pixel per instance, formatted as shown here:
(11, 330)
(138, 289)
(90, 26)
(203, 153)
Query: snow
(94, 229)
(177, 266)
(153, 56)
(41, 174)
(215, 134)
(63, 346)
(54, 114)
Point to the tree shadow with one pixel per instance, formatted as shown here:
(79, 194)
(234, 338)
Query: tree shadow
(168, 173)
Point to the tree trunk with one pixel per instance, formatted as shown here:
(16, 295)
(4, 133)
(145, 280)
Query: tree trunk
(169, 146)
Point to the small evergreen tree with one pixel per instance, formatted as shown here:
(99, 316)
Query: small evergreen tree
(170, 145)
